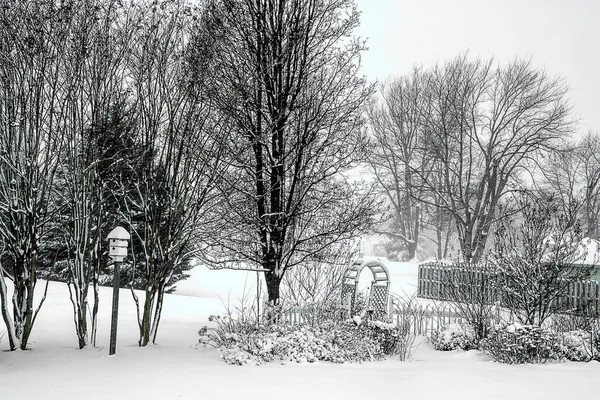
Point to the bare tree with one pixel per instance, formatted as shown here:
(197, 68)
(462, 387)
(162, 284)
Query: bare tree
(286, 75)
(573, 173)
(562, 175)
(588, 153)
(484, 124)
(32, 46)
(536, 259)
(94, 86)
(396, 129)
(182, 151)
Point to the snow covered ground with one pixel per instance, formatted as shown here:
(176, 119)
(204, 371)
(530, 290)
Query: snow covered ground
(176, 369)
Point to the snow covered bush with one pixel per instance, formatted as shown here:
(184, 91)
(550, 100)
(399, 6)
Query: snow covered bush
(580, 336)
(227, 330)
(393, 339)
(518, 344)
(454, 336)
(333, 341)
(577, 346)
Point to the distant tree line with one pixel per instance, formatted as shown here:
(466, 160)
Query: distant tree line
(457, 145)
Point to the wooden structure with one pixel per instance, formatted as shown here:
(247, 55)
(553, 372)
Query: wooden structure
(378, 301)
(434, 278)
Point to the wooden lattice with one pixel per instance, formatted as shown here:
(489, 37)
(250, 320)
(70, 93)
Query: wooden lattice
(348, 295)
(379, 293)
(378, 301)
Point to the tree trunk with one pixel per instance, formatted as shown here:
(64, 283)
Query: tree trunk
(12, 338)
(95, 288)
(157, 311)
(440, 245)
(82, 326)
(411, 248)
(28, 326)
(147, 317)
(19, 297)
(273, 284)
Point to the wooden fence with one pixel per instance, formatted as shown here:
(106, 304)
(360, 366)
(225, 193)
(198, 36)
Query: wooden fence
(445, 283)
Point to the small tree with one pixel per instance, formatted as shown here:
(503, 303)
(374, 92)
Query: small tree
(471, 289)
(95, 102)
(535, 258)
(318, 283)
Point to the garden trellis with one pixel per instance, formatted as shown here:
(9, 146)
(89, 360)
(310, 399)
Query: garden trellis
(378, 301)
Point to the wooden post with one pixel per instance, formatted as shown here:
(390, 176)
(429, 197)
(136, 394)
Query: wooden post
(257, 298)
(115, 310)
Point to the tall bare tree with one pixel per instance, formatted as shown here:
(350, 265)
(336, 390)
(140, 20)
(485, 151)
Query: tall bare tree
(588, 154)
(483, 124)
(32, 47)
(286, 74)
(182, 150)
(573, 173)
(96, 92)
(395, 125)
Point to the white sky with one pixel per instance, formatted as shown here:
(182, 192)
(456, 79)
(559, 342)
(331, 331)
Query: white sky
(561, 36)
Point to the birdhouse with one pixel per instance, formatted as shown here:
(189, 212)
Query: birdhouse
(118, 241)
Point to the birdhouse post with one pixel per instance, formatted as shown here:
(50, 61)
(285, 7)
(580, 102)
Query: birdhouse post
(118, 241)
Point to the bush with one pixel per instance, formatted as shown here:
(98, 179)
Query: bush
(580, 336)
(454, 336)
(339, 342)
(519, 344)
(577, 346)
(228, 330)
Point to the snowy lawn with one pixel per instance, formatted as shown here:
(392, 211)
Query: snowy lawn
(175, 369)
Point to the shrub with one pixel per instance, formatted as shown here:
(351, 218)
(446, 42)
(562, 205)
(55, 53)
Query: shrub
(408, 314)
(454, 336)
(577, 345)
(227, 330)
(519, 344)
(339, 342)
(580, 335)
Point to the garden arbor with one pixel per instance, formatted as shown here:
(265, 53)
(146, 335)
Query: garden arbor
(378, 300)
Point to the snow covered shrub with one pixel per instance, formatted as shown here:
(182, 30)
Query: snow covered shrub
(333, 341)
(355, 342)
(577, 346)
(454, 336)
(519, 344)
(360, 303)
(272, 312)
(391, 338)
(580, 336)
(227, 330)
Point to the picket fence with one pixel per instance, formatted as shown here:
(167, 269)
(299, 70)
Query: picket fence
(419, 318)
(436, 282)
(308, 315)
